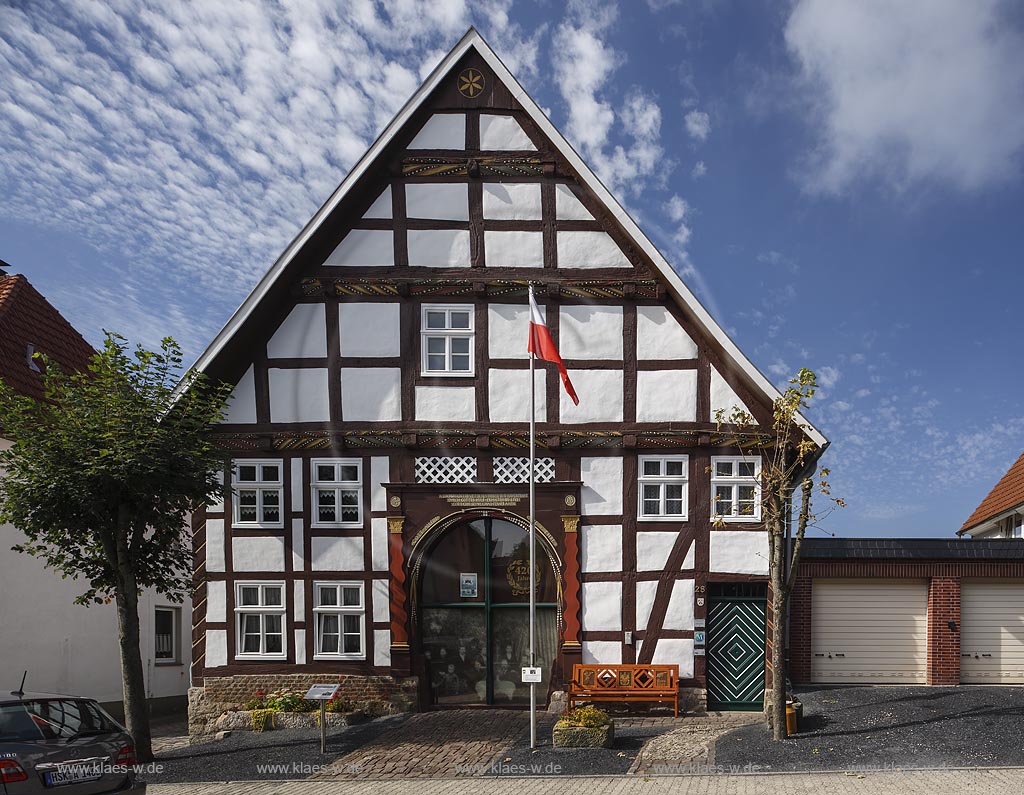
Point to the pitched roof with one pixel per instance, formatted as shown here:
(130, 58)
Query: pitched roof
(27, 318)
(473, 40)
(1006, 494)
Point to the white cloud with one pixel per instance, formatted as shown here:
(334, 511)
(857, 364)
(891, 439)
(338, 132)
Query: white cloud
(699, 170)
(828, 377)
(905, 93)
(698, 125)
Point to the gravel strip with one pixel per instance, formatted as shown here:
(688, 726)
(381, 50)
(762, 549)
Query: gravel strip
(872, 728)
(289, 753)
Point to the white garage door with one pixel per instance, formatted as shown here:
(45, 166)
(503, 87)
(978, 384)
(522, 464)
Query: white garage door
(869, 631)
(992, 631)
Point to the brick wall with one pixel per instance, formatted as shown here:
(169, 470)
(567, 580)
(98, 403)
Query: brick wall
(944, 642)
(800, 631)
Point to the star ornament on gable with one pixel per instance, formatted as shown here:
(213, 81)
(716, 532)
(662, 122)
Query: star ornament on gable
(471, 82)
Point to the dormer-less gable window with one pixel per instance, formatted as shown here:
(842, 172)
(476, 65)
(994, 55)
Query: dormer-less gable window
(736, 488)
(258, 491)
(447, 335)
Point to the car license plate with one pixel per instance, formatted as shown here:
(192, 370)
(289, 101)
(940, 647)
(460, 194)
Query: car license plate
(73, 774)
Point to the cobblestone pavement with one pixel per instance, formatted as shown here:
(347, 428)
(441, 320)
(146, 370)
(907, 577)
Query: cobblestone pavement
(169, 733)
(452, 743)
(690, 743)
(998, 781)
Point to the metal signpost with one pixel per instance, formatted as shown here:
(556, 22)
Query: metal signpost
(323, 694)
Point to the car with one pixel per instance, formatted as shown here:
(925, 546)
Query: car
(63, 744)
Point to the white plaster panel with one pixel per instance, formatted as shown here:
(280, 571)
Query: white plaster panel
(381, 601)
(589, 250)
(364, 248)
(600, 394)
(602, 485)
(568, 207)
(298, 545)
(380, 473)
(601, 547)
(646, 590)
(739, 551)
(724, 397)
(298, 490)
(258, 553)
(439, 201)
(666, 396)
(438, 248)
(680, 606)
(675, 651)
(503, 133)
(602, 606)
(341, 553)
(508, 330)
(509, 392)
(512, 201)
(216, 601)
(606, 652)
(371, 394)
(653, 549)
(215, 545)
(442, 131)
(300, 647)
(590, 332)
(216, 648)
(381, 207)
(379, 544)
(689, 560)
(299, 600)
(241, 406)
(514, 249)
(659, 335)
(382, 647)
(370, 329)
(302, 335)
(216, 504)
(299, 394)
(446, 403)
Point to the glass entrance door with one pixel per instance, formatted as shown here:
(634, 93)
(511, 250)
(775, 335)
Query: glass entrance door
(474, 614)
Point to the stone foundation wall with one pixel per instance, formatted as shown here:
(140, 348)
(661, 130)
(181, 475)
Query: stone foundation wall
(377, 694)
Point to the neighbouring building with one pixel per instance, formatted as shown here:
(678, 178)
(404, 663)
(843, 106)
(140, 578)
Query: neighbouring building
(64, 647)
(1001, 513)
(374, 528)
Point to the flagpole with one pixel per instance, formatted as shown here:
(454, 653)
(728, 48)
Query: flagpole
(533, 571)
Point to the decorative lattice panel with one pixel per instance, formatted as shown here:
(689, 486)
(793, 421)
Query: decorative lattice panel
(516, 469)
(446, 469)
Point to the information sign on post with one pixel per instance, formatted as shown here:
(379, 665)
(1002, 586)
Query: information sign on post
(323, 694)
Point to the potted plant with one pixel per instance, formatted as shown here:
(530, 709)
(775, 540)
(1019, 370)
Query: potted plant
(584, 727)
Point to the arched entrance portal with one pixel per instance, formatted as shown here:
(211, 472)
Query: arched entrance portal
(473, 613)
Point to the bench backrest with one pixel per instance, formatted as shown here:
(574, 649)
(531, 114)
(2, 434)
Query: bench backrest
(626, 678)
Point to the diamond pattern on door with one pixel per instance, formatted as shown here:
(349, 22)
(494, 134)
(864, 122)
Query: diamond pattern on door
(735, 653)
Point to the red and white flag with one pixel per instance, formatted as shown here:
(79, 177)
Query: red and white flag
(543, 347)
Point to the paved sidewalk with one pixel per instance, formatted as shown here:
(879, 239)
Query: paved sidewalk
(927, 782)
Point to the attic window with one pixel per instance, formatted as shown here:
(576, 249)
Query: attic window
(33, 365)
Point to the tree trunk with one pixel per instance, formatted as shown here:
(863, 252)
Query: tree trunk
(133, 682)
(777, 703)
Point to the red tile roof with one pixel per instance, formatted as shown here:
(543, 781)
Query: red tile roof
(27, 318)
(1006, 494)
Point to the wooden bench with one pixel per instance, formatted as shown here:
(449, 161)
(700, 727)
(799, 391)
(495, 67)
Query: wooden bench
(625, 683)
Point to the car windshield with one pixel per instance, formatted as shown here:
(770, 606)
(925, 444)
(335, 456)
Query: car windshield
(52, 719)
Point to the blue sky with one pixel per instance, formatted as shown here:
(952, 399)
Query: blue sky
(839, 181)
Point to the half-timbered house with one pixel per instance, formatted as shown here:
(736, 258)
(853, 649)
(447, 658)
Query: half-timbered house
(375, 525)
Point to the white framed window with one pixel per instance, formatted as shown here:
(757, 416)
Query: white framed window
(664, 486)
(736, 488)
(166, 623)
(337, 487)
(340, 614)
(446, 338)
(259, 620)
(258, 493)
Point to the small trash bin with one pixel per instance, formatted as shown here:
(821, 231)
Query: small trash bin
(791, 725)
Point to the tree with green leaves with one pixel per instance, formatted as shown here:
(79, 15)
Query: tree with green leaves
(788, 465)
(101, 478)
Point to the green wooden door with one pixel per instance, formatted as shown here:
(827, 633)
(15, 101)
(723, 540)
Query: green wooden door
(735, 656)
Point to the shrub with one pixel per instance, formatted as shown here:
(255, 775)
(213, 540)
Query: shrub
(286, 701)
(338, 704)
(256, 702)
(260, 717)
(590, 717)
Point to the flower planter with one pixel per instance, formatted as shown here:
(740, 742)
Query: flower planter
(583, 736)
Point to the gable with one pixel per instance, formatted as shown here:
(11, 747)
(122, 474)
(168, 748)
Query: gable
(479, 188)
